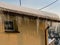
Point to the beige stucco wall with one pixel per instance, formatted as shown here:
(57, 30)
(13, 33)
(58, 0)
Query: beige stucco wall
(28, 33)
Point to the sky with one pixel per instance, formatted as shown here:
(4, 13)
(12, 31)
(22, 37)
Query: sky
(37, 4)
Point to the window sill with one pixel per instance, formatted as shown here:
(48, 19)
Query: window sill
(12, 32)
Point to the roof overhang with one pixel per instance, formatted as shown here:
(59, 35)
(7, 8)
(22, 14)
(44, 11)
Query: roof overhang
(30, 12)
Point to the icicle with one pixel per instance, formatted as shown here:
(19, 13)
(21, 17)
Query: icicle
(8, 17)
(37, 25)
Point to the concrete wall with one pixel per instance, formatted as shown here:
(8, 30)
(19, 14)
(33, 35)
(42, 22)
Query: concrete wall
(28, 32)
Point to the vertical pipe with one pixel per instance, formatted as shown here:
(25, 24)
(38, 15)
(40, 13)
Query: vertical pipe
(46, 32)
(45, 37)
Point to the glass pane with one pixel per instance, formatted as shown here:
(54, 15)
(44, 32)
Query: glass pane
(9, 25)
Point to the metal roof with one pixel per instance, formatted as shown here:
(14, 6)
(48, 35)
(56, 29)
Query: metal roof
(29, 11)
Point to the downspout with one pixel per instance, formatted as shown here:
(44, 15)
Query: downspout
(46, 32)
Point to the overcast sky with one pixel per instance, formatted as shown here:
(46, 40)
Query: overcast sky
(37, 4)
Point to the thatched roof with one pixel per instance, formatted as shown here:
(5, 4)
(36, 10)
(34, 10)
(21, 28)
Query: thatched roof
(29, 11)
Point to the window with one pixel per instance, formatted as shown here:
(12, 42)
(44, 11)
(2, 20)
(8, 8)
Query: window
(10, 24)
(10, 27)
